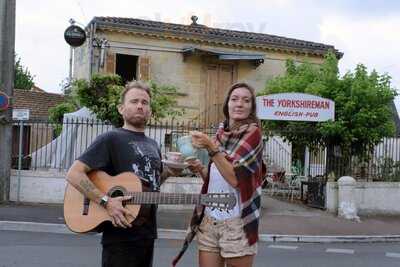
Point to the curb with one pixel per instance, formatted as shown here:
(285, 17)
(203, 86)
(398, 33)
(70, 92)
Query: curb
(55, 228)
(58, 228)
(330, 239)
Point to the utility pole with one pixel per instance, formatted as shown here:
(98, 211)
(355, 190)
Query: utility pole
(7, 46)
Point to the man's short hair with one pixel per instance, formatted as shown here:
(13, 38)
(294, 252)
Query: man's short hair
(134, 85)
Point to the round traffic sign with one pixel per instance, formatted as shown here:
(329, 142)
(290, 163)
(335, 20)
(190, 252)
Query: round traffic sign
(4, 101)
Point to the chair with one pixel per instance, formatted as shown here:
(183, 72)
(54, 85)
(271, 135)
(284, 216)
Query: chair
(294, 186)
(269, 182)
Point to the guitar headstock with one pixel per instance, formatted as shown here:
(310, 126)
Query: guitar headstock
(218, 200)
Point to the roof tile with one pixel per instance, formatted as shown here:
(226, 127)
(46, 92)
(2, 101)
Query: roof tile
(39, 103)
(201, 32)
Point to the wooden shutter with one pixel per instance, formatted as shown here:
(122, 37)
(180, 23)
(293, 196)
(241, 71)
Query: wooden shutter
(144, 68)
(110, 63)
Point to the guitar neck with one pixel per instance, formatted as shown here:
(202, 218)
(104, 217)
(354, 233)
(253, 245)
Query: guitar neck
(162, 198)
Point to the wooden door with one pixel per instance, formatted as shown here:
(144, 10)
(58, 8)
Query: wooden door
(219, 78)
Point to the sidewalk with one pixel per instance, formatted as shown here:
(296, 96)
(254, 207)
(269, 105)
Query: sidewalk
(279, 220)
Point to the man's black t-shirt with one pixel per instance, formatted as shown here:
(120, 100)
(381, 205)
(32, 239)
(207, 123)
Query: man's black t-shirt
(122, 150)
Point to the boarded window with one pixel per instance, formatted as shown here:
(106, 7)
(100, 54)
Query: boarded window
(110, 63)
(144, 68)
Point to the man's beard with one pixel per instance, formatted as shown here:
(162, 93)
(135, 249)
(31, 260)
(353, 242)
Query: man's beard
(137, 122)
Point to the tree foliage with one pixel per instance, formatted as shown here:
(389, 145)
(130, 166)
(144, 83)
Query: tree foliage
(56, 115)
(101, 95)
(363, 114)
(23, 79)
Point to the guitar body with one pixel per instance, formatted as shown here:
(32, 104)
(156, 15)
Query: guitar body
(82, 215)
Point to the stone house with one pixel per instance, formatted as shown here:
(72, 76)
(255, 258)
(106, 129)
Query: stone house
(202, 62)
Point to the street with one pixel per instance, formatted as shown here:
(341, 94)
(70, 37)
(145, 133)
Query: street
(49, 250)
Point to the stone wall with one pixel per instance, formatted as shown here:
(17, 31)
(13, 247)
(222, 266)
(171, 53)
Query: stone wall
(371, 198)
(167, 65)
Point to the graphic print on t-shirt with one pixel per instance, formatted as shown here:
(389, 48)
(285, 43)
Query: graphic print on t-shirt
(142, 166)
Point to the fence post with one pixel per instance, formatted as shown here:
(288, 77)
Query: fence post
(347, 207)
(21, 131)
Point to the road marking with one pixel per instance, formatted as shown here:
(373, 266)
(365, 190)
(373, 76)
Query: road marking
(283, 247)
(338, 250)
(392, 255)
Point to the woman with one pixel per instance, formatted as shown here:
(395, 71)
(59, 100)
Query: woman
(236, 166)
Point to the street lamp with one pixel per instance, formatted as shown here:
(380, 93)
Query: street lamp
(75, 36)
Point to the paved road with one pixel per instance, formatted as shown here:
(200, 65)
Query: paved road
(49, 250)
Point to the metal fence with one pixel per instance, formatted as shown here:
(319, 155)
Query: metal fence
(47, 145)
(381, 164)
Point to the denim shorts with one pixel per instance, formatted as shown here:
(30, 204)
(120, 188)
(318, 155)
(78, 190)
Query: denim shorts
(225, 237)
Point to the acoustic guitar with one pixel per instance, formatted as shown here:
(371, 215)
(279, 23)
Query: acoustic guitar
(82, 215)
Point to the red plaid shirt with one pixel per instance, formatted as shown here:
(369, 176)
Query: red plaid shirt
(243, 148)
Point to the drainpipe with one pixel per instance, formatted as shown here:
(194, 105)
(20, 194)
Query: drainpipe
(103, 45)
(92, 33)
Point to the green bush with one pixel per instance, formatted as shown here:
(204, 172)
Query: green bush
(102, 95)
(56, 115)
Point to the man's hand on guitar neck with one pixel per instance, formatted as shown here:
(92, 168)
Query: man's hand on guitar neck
(120, 216)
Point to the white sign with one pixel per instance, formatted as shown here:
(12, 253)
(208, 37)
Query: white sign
(295, 107)
(20, 114)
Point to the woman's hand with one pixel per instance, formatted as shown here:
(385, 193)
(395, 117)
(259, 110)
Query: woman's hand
(174, 172)
(195, 165)
(201, 140)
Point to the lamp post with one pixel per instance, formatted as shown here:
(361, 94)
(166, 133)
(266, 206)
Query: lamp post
(71, 53)
(75, 36)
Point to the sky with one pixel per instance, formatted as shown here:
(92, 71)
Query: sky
(365, 31)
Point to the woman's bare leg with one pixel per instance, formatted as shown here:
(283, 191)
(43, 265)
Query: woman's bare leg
(210, 259)
(245, 261)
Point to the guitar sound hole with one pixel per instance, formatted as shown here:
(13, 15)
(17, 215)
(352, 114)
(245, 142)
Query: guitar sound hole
(118, 193)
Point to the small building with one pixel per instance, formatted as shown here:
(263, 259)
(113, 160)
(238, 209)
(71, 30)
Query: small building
(37, 132)
(202, 62)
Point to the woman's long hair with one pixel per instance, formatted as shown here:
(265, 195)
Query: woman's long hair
(253, 113)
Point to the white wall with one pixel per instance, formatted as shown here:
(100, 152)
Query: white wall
(49, 187)
(331, 197)
(372, 198)
(38, 186)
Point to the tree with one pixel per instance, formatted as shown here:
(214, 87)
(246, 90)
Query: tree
(65, 86)
(23, 79)
(56, 115)
(101, 95)
(363, 114)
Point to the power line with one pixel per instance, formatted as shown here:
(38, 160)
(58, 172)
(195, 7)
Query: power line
(81, 8)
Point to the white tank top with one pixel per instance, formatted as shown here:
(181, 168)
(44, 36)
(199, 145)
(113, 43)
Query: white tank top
(218, 184)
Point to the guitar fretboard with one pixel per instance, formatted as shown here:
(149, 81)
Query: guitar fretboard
(162, 198)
